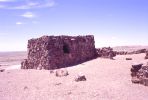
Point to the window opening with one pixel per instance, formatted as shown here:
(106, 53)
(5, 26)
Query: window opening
(66, 48)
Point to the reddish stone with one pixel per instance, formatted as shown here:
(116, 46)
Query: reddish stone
(53, 52)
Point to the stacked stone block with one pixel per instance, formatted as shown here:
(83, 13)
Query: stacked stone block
(53, 52)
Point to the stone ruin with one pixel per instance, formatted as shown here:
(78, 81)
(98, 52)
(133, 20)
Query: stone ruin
(139, 74)
(106, 52)
(54, 52)
(146, 56)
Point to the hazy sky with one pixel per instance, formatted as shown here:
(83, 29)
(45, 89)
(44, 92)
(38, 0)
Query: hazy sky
(112, 22)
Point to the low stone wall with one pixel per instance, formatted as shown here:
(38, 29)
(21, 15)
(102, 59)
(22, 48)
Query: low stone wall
(106, 52)
(132, 52)
(121, 52)
(53, 52)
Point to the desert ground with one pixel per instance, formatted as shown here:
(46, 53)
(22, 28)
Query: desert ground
(106, 80)
(8, 59)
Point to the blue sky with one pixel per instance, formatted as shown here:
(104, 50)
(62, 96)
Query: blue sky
(112, 22)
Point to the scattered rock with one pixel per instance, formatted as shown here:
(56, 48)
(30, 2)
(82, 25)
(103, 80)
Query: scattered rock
(128, 58)
(51, 71)
(58, 83)
(106, 52)
(61, 72)
(80, 78)
(2, 70)
(135, 80)
(25, 87)
(69, 93)
(8, 72)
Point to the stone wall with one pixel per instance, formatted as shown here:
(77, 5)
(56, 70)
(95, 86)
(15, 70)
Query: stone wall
(53, 52)
(106, 52)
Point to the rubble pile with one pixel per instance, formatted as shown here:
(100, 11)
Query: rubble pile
(139, 74)
(106, 52)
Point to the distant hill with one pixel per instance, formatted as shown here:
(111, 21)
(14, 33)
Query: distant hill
(129, 48)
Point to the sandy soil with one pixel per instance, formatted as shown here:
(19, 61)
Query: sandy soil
(106, 80)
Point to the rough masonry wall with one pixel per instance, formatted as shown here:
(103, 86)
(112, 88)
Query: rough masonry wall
(52, 52)
(106, 52)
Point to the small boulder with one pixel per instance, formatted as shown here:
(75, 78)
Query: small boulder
(57, 84)
(61, 72)
(80, 78)
(51, 71)
(2, 70)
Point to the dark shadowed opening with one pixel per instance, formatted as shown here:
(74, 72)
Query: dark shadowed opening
(66, 48)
